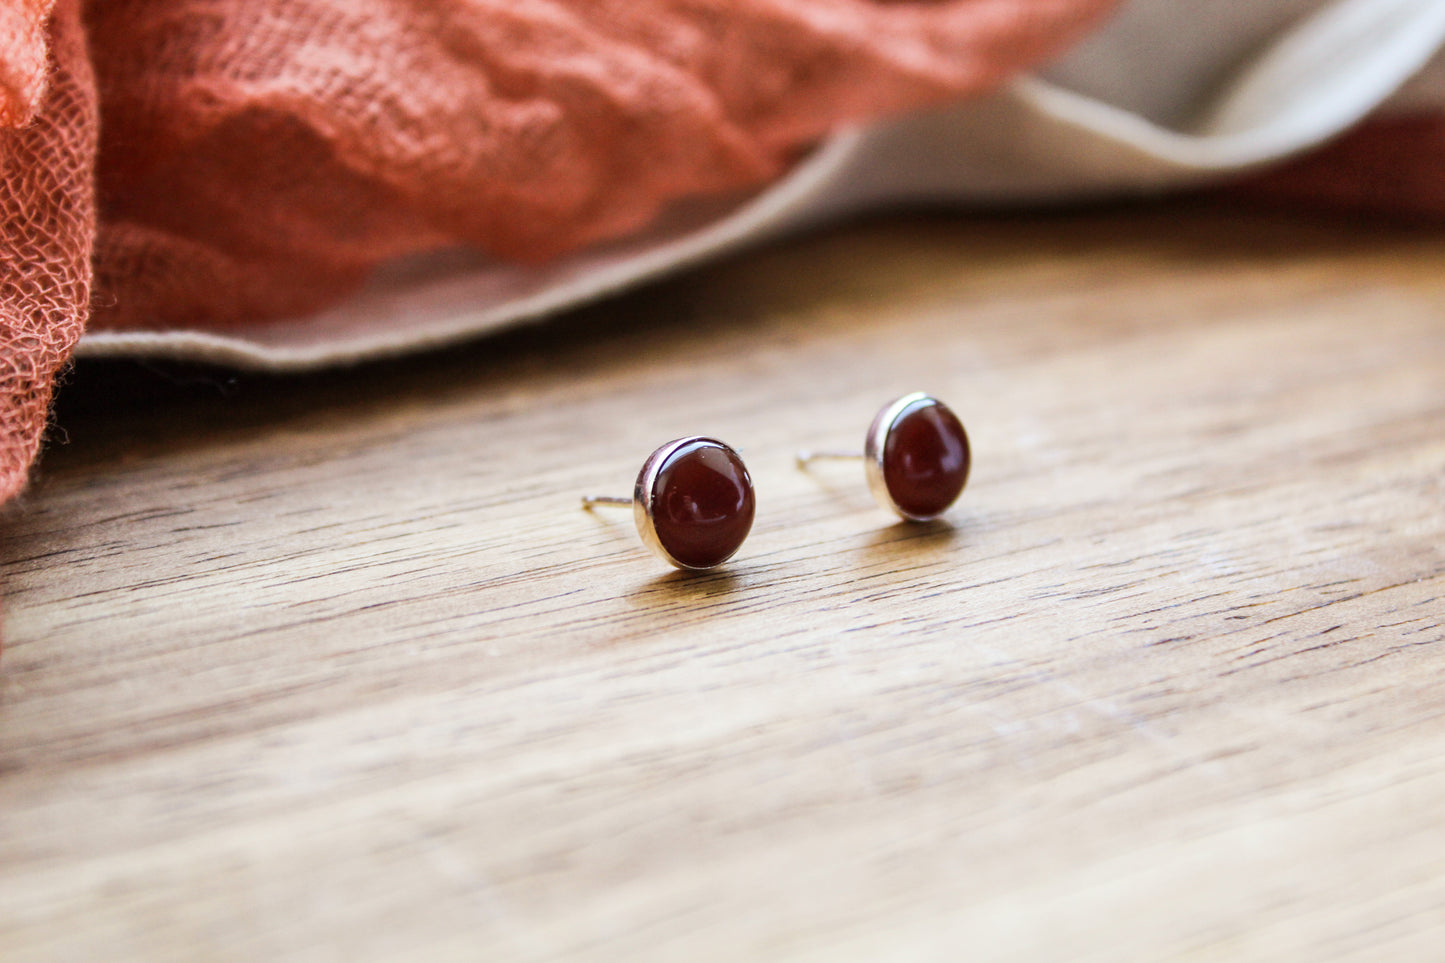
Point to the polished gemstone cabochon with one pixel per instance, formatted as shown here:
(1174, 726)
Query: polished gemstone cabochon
(925, 457)
(700, 502)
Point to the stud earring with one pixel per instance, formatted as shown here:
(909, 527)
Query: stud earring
(693, 502)
(916, 456)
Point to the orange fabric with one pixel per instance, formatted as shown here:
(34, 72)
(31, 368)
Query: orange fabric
(47, 221)
(23, 71)
(1390, 167)
(258, 157)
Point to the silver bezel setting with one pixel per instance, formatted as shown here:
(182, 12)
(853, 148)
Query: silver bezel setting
(644, 493)
(875, 445)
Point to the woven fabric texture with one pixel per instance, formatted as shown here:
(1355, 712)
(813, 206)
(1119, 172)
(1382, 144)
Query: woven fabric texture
(47, 221)
(258, 157)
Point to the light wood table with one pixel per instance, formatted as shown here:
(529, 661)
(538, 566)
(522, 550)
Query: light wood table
(334, 668)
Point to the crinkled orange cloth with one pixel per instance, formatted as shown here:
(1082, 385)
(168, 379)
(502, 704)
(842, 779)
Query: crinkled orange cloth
(258, 157)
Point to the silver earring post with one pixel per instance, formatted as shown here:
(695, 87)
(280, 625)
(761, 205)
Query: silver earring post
(588, 501)
(807, 455)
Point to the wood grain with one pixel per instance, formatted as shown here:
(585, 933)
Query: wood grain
(334, 668)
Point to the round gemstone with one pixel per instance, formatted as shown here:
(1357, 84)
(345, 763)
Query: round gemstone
(702, 503)
(925, 459)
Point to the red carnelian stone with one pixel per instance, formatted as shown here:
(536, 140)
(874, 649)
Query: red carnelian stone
(702, 504)
(925, 459)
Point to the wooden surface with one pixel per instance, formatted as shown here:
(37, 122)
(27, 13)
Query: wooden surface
(335, 669)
